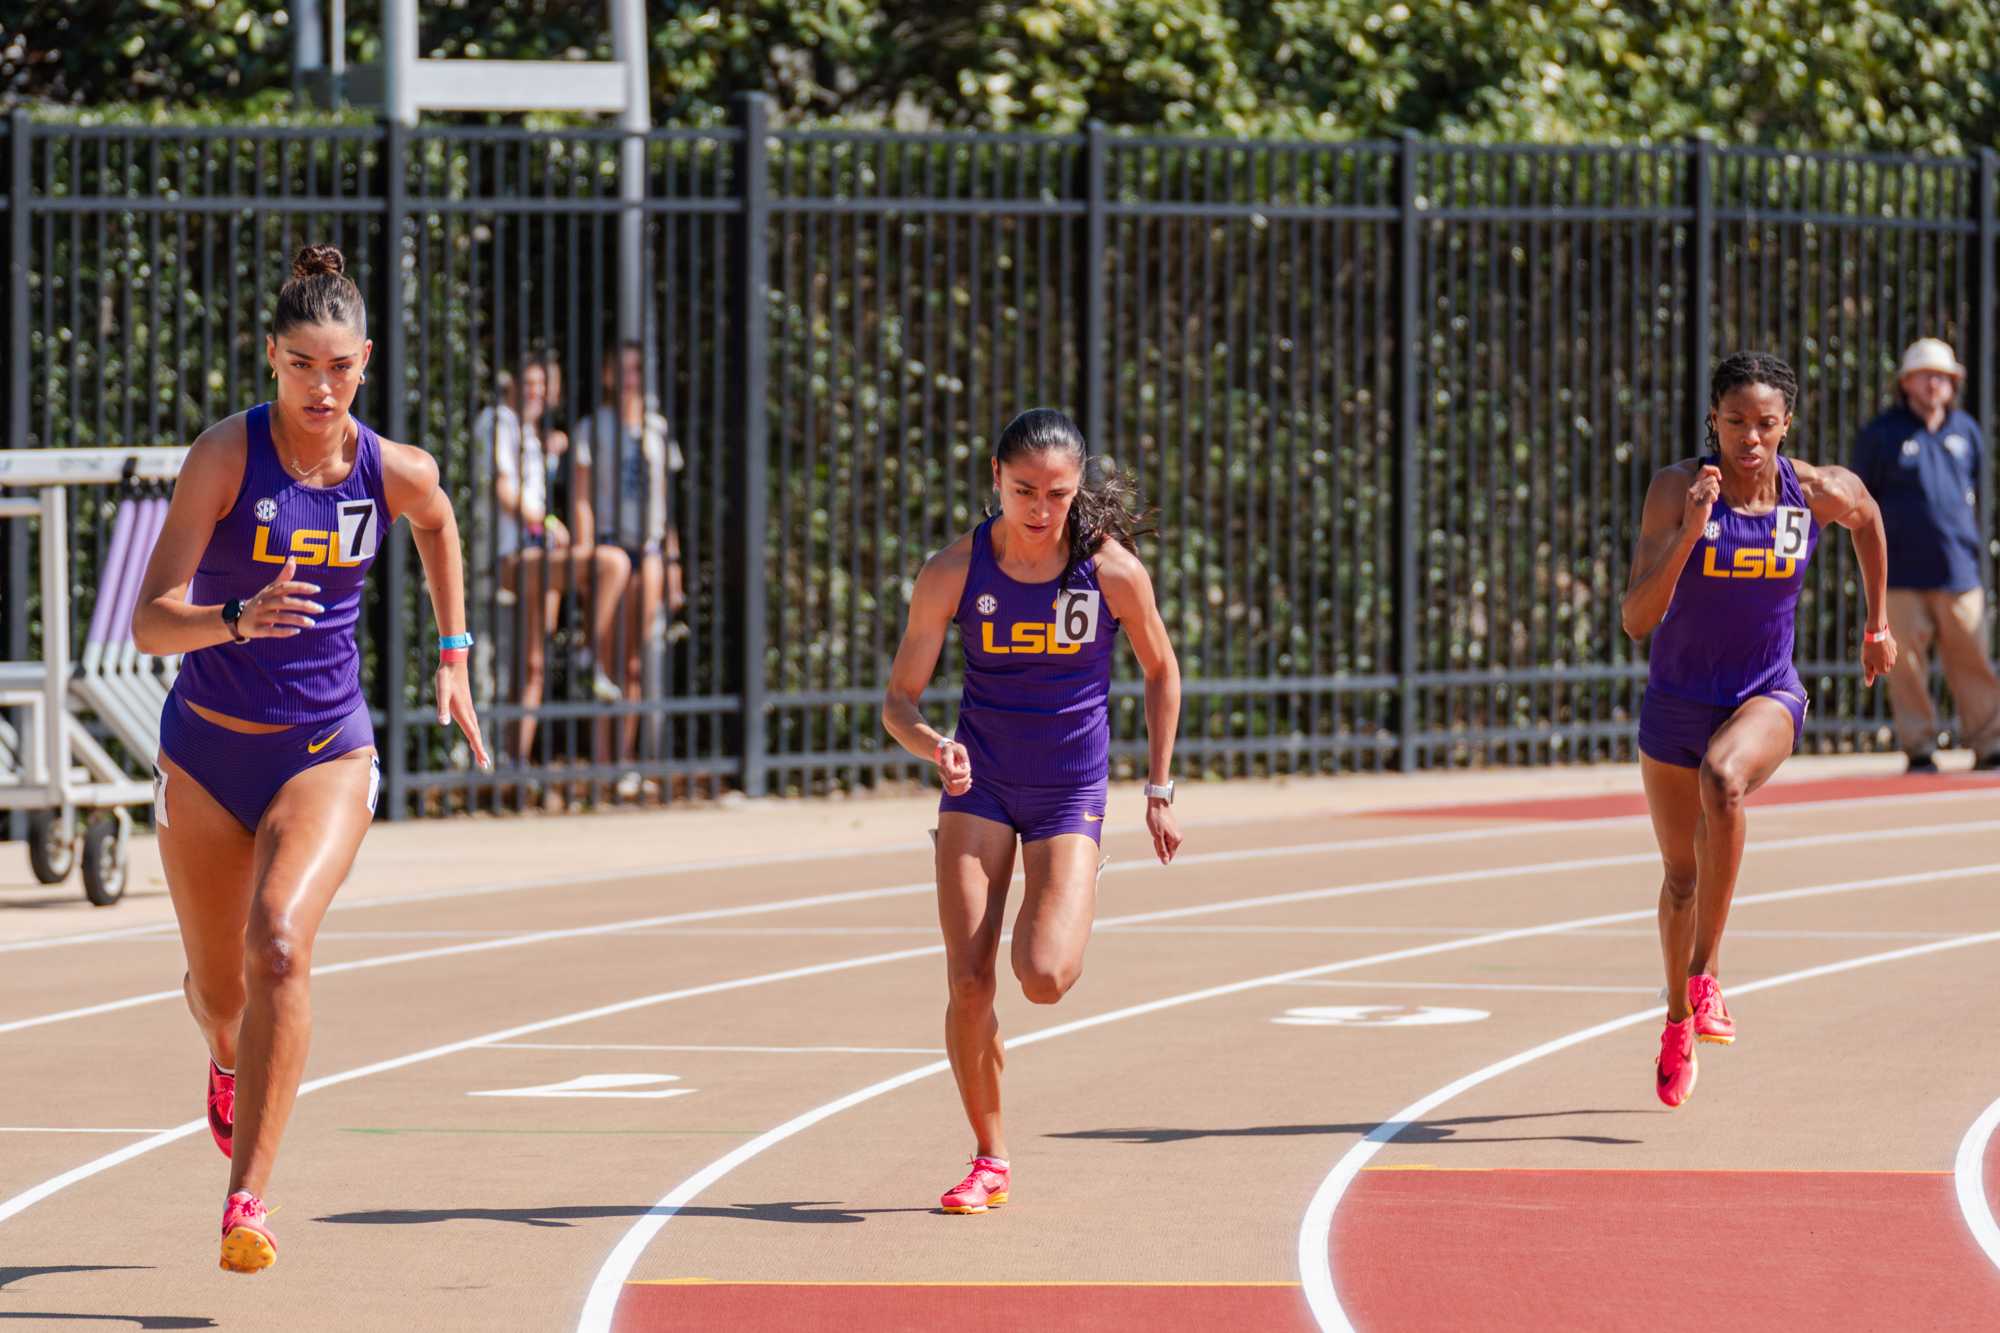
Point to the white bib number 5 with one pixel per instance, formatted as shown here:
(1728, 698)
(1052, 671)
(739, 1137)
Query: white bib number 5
(1794, 526)
(1076, 615)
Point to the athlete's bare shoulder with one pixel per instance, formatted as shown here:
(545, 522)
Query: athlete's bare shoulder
(212, 472)
(408, 466)
(1118, 565)
(941, 582)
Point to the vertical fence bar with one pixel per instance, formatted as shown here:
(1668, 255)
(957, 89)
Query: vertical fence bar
(1408, 522)
(1095, 369)
(395, 417)
(19, 236)
(1701, 287)
(1982, 363)
(752, 281)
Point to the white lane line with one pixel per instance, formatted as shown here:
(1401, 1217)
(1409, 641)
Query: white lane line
(70, 1129)
(1315, 1254)
(744, 1050)
(1498, 831)
(927, 887)
(28, 1198)
(1968, 1171)
(1552, 988)
(603, 1297)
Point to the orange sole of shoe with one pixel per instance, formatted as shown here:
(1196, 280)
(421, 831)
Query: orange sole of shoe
(1715, 1041)
(990, 1204)
(247, 1251)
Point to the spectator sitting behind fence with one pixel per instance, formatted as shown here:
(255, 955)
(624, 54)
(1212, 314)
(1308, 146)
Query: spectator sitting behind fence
(1921, 461)
(538, 559)
(623, 453)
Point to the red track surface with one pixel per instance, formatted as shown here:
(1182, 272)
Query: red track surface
(1716, 1250)
(841, 1307)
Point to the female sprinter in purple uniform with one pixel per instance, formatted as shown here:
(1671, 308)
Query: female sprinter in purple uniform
(1722, 555)
(1039, 592)
(267, 776)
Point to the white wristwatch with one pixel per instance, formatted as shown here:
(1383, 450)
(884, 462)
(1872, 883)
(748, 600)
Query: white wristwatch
(1165, 793)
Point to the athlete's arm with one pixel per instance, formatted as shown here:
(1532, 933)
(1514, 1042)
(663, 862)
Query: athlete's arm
(1128, 592)
(162, 621)
(932, 606)
(1677, 508)
(410, 485)
(1837, 498)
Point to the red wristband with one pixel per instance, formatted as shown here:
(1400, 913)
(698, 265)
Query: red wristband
(453, 656)
(1875, 636)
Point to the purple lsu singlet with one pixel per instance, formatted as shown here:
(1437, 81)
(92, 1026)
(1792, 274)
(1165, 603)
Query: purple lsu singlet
(1727, 635)
(1035, 711)
(315, 675)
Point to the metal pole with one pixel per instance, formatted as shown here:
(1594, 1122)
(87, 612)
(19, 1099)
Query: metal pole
(1982, 365)
(20, 234)
(336, 67)
(628, 44)
(752, 339)
(1095, 365)
(399, 59)
(1701, 288)
(308, 44)
(1409, 337)
(55, 639)
(395, 415)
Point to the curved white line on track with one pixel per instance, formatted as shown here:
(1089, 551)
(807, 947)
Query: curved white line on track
(602, 1300)
(1315, 1255)
(927, 887)
(1498, 831)
(1969, 1176)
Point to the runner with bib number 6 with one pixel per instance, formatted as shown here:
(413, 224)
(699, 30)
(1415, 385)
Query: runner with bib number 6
(1039, 592)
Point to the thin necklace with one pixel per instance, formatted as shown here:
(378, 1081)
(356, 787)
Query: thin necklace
(305, 474)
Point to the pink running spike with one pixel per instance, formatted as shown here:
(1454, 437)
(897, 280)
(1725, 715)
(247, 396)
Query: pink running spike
(985, 1187)
(221, 1106)
(1712, 1022)
(247, 1243)
(1674, 1071)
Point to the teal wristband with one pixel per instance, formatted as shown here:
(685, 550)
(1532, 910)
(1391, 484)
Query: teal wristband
(446, 641)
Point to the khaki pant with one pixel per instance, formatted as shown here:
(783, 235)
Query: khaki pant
(1956, 623)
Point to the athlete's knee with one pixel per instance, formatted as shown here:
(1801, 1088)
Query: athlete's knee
(276, 953)
(1044, 984)
(972, 987)
(1724, 784)
(1678, 884)
(215, 999)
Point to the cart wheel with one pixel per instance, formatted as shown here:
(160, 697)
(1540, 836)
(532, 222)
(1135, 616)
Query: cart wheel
(51, 848)
(103, 862)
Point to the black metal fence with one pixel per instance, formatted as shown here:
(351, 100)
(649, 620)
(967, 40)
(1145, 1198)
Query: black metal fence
(1397, 404)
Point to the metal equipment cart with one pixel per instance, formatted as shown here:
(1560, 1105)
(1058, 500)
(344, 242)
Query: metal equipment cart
(56, 767)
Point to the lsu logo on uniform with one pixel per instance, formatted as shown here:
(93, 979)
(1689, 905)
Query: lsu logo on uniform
(1075, 625)
(350, 543)
(1749, 564)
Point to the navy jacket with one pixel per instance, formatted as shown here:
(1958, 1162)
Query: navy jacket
(1927, 483)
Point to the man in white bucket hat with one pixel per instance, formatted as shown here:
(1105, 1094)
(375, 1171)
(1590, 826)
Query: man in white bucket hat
(1921, 461)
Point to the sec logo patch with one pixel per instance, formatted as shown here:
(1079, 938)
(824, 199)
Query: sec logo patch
(267, 509)
(987, 604)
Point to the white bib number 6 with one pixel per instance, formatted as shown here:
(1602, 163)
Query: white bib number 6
(1076, 616)
(1794, 525)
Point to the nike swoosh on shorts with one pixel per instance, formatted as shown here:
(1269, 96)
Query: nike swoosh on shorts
(314, 747)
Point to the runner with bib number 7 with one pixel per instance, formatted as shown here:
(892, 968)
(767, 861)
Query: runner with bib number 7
(1039, 592)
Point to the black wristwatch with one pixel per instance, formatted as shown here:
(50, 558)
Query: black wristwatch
(232, 611)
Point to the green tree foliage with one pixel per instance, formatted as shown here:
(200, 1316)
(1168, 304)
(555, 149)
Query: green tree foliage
(1881, 74)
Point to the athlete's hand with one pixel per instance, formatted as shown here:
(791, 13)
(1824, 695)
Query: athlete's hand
(1877, 658)
(454, 696)
(954, 768)
(1701, 498)
(1166, 833)
(281, 608)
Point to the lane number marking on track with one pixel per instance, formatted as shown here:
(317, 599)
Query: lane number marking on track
(597, 1085)
(1378, 1016)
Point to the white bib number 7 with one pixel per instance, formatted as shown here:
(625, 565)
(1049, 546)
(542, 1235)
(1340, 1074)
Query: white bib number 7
(359, 532)
(1794, 526)
(1076, 615)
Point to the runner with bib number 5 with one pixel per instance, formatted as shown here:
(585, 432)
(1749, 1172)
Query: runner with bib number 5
(1039, 592)
(1722, 554)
